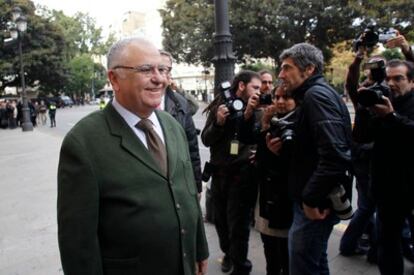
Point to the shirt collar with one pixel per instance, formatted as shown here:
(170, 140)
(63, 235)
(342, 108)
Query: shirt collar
(130, 118)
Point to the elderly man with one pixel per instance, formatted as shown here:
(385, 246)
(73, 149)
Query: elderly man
(320, 159)
(127, 201)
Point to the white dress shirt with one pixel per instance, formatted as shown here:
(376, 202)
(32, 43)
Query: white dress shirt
(132, 120)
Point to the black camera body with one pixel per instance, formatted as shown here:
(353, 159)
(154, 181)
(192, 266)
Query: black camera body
(372, 95)
(234, 104)
(265, 99)
(282, 128)
(369, 37)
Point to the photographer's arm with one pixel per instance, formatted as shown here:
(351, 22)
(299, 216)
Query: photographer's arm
(214, 129)
(403, 44)
(352, 78)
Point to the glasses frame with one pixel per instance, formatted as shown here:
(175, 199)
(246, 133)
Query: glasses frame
(147, 69)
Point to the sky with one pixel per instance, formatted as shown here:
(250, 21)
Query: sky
(106, 13)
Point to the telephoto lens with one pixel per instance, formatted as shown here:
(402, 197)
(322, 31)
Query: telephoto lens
(340, 203)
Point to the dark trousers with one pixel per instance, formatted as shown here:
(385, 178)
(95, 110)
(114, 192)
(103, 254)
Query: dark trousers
(364, 215)
(277, 255)
(233, 197)
(391, 219)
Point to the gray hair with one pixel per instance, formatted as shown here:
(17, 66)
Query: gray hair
(304, 55)
(117, 49)
(167, 54)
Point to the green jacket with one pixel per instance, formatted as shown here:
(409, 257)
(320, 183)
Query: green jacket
(117, 213)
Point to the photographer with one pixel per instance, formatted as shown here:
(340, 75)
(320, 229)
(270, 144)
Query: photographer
(231, 189)
(363, 219)
(273, 213)
(392, 131)
(320, 157)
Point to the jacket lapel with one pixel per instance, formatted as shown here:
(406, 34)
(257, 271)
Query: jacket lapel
(128, 140)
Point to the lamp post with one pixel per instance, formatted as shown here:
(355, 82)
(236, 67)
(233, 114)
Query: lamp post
(224, 58)
(16, 32)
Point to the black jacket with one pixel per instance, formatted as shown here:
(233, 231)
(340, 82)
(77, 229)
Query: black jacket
(321, 153)
(272, 174)
(393, 136)
(219, 139)
(177, 106)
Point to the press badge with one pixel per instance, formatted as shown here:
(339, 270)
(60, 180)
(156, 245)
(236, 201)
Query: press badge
(234, 147)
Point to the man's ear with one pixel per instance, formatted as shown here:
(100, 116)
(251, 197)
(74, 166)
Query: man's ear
(310, 69)
(240, 88)
(114, 79)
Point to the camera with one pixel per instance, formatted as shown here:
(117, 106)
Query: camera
(387, 35)
(265, 99)
(234, 104)
(368, 38)
(372, 95)
(282, 128)
(340, 203)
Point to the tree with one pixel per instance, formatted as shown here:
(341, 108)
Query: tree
(263, 28)
(83, 73)
(42, 47)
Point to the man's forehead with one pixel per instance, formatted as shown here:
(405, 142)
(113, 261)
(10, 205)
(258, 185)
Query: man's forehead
(288, 63)
(398, 70)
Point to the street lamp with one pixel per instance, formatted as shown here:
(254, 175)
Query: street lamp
(224, 58)
(20, 26)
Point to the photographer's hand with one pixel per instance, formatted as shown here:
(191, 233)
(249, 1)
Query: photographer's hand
(382, 110)
(315, 213)
(267, 116)
(252, 104)
(222, 114)
(273, 144)
(398, 41)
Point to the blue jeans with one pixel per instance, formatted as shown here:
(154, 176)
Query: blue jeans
(364, 215)
(308, 243)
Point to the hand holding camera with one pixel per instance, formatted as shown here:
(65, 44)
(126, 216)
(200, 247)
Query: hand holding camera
(384, 109)
(398, 41)
(252, 104)
(274, 144)
(222, 114)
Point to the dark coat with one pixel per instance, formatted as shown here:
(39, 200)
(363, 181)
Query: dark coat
(392, 170)
(117, 213)
(177, 106)
(321, 153)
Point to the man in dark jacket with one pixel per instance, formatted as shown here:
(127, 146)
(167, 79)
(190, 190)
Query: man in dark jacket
(392, 175)
(233, 193)
(321, 156)
(177, 106)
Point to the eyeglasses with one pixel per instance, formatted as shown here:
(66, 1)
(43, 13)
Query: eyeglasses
(396, 78)
(147, 69)
(267, 82)
(285, 97)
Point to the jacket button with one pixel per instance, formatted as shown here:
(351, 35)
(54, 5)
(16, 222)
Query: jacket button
(183, 231)
(171, 182)
(184, 254)
(177, 205)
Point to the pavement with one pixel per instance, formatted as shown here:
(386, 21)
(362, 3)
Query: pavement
(28, 229)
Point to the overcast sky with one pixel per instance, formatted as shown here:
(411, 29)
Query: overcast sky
(106, 13)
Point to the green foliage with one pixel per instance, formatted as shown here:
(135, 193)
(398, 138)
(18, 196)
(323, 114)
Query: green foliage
(42, 46)
(54, 46)
(392, 54)
(83, 73)
(263, 28)
(260, 28)
(258, 66)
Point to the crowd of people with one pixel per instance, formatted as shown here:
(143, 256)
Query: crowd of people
(11, 113)
(283, 155)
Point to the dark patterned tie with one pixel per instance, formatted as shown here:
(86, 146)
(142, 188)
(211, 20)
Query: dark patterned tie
(155, 145)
